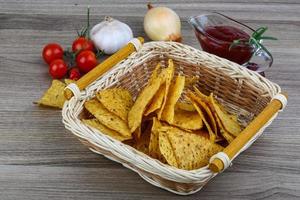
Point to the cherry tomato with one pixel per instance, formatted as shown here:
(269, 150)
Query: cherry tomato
(86, 60)
(51, 52)
(58, 69)
(74, 74)
(81, 44)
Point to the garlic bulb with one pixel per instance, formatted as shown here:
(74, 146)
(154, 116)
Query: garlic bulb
(162, 24)
(110, 35)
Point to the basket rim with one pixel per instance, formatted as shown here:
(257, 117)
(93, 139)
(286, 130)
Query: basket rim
(71, 120)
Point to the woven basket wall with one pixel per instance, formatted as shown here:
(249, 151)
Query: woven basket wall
(240, 90)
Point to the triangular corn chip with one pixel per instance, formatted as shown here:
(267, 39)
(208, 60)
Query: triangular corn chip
(105, 130)
(202, 96)
(157, 100)
(69, 81)
(54, 96)
(167, 75)
(229, 122)
(191, 151)
(154, 141)
(174, 94)
(204, 105)
(136, 113)
(155, 73)
(166, 149)
(116, 100)
(185, 106)
(187, 120)
(190, 81)
(107, 118)
(204, 116)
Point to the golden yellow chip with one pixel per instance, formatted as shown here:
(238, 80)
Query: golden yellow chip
(190, 81)
(212, 134)
(229, 122)
(69, 81)
(174, 94)
(203, 103)
(191, 151)
(155, 73)
(202, 96)
(105, 130)
(54, 96)
(136, 113)
(116, 100)
(185, 106)
(157, 100)
(154, 141)
(167, 75)
(166, 149)
(187, 120)
(107, 118)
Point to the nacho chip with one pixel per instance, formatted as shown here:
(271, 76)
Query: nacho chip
(107, 118)
(212, 134)
(187, 120)
(229, 122)
(166, 149)
(154, 141)
(202, 96)
(157, 100)
(174, 94)
(136, 112)
(116, 100)
(185, 106)
(191, 151)
(203, 103)
(155, 73)
(69, 81)
(167, 75)
(227, 136)
(107, 131)
(190, 81)
(54, 96)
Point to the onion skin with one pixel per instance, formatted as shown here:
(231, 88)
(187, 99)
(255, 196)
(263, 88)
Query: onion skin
(162, 24)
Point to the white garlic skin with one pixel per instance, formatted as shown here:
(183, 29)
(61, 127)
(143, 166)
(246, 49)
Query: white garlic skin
(110, 35)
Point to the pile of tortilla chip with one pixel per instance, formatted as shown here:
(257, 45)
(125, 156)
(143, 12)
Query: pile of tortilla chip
(183, 131)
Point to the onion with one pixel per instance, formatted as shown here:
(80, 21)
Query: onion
(162, 24)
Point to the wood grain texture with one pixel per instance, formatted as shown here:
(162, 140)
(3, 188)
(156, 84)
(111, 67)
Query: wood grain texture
(39, 159)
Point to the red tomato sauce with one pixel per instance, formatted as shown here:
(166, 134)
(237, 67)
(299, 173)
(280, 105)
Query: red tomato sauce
(217, 40)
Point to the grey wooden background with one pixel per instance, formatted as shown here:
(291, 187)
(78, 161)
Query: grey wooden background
(39, 159)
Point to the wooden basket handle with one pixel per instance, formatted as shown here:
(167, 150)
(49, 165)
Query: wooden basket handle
(103, 67)
(216, 164)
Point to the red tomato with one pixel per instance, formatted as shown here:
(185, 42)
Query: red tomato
(86, 60)
(82, 43)
(58, 68)
(74, 74)
(51, 52)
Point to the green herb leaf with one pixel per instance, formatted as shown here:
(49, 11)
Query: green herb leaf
(255, 39)
(268, 38)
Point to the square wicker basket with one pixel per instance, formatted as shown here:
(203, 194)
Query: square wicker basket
(240, 90)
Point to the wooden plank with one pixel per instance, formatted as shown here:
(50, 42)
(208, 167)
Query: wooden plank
(39, 159)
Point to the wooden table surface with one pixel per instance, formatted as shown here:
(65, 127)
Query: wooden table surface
(39, 159)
